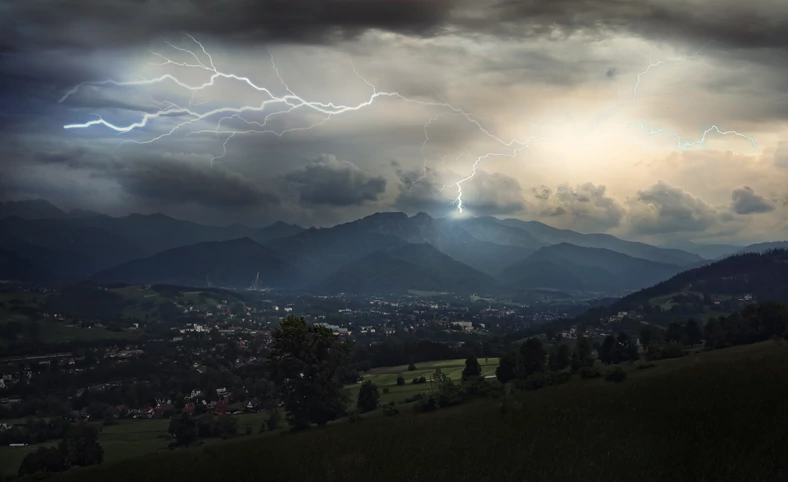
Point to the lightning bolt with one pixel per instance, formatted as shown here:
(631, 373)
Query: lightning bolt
(291, 101)
(683, 146)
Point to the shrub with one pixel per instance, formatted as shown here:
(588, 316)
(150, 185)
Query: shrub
(645, 366)
(589, 372)
(354, 417)
(426, 405)
(385, 389)
(390, 409)
(422, 380)
(400, 380)
(557, 378)
(536, 381)
(616, 374)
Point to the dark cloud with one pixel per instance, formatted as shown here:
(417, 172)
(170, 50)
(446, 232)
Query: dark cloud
(88, 23)
(435, 192)
(760, 23)
(333, 182)
(746, 201)
(586, 207)
(663, 208)
(175, 181)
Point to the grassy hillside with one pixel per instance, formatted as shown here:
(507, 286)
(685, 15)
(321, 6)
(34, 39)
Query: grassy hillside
(711, 416)
(762, 275)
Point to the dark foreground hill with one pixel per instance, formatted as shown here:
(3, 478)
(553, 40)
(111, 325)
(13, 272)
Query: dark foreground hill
(716, 416)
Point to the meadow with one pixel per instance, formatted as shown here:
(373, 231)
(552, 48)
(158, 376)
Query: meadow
(717, 415)
(127, 439)
(386, 377)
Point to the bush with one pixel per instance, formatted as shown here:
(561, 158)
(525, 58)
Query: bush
(411, 367)
(426, 405)
(536, 381)
(390, 410)
(400, 380)
(422, 380)
(645, 366)
(616, 374)
(557, 378)
(385, 389)
(355, 417)
(589, 372)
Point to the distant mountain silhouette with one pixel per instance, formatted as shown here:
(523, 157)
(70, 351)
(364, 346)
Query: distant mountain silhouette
(550, 235)
(33, 209)
(412, 266)
(16, 268)
(569, 267)
(706, 251)
(762, 247)
(232, 263)
(105, 248)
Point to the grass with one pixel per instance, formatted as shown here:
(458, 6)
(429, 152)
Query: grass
(710, 416)
(127, 439)
(386, 377)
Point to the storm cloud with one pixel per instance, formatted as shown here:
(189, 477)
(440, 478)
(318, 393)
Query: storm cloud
(334, 182)
(746, 201)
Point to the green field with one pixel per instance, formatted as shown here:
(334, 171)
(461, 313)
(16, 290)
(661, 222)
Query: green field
(386, 377)
(127, 439)
(711, 416)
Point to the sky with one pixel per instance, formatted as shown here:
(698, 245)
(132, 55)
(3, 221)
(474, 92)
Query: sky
(653, 120)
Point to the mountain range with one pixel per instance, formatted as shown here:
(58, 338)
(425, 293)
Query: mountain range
(383, 252)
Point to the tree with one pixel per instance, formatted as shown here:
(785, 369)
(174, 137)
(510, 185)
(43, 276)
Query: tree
(675, 333)
(448, 392)
(368, 397)
(400, 380)
(472, 368)
(43, 460)
(411, 367)
(183, 428)
(626, 350)
(305, 361)
(584, 351)
(606, 351)
(80, 446)
(562, 357)
(273, 419)
(532, 357)
(693, 333)
(505, 371)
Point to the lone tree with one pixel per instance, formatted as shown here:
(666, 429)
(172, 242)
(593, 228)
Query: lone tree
(563, 357)
(505, 371)
(472, 368)
(183, 428)
(368, 397)
(305, 361)
(532, 357)
(80, 446)
(400, 380)
(693, 332)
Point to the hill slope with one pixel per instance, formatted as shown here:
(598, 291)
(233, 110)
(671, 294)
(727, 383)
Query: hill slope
(660, 425)
(763, 275)
(224, 263)
(16, 268)
(569, 267)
